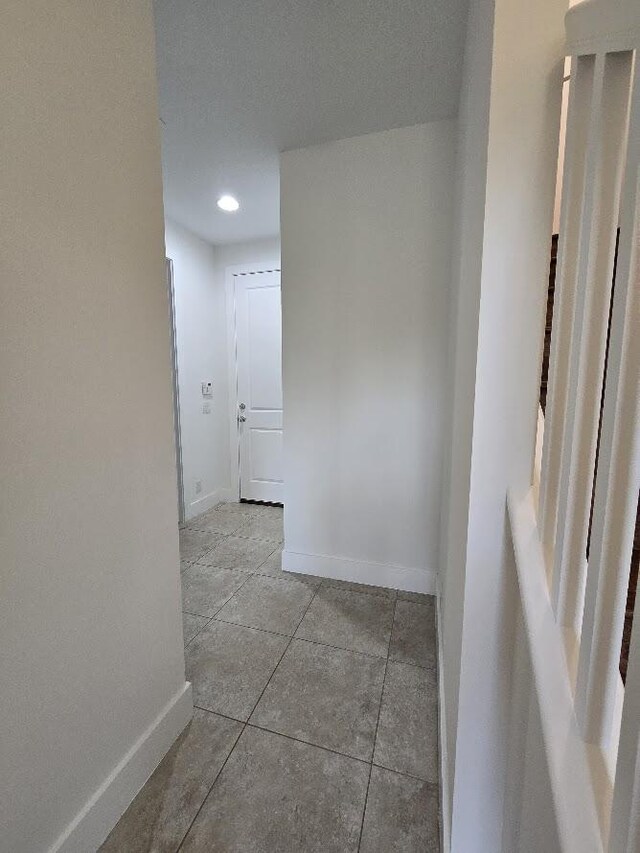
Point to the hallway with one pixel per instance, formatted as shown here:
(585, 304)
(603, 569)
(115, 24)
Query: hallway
(316, 716)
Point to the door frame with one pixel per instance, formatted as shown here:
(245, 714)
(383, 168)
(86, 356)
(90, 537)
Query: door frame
(175, 383)
(230, 275)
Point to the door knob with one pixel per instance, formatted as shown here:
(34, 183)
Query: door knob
(242, 407)
(241, 419)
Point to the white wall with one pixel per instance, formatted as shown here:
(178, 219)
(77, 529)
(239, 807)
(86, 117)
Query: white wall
(471, 171)
(90, 625)
(201, 341)
(250, 252)
(366, 237)
(515, 68)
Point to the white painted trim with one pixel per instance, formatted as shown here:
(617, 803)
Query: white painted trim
(207, 502)
(232, 363)
(581, 793)
(445, 812)
(232, 381)
(101, 812)
(599, 26)
(175, 383)
(361, 571)
(202, 504)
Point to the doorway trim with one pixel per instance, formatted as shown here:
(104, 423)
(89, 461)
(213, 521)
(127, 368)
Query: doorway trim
(230, 275)
(177, 433)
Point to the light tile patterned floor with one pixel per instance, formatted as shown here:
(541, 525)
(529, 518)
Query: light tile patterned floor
(316, 708)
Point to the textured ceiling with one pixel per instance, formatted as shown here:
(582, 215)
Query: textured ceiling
(242, 80)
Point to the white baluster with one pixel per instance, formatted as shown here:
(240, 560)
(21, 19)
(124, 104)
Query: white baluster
(607, 132)
(580, 95)
(618, 476)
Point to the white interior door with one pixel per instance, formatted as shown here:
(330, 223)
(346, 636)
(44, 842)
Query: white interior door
(259, 361)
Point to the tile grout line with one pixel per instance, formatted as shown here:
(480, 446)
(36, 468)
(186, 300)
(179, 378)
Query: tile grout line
(280, 545)
(253, 627)
(200, 630)
(308, 743)
(304, 639)
(212, 618)
(317, 746)
(224, 764)
(223, 537)
(375, 734)
(251, 513)
(217, 568)
(244, 726)
(323, 584)
(410, 663)
(219, 714)
(407, 775)
(292, 637)
(332, 583)
(338, 648)
(251, 574)
(315, 592)
(201, 556)
(236, 568)
(256, 573)
(233, 595)
(235, 533)
(261, 728)
(199, 615)
(276, 542)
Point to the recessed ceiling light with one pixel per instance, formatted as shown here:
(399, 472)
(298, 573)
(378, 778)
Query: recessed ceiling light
(228, 203)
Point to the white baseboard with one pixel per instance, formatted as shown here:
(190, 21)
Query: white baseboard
(201, 504)
(361, 571)
(445, 815)
(207, 502)
(104, 808)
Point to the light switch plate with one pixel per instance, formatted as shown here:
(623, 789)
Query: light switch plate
(207, 389)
